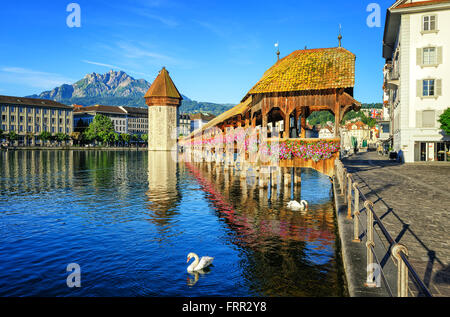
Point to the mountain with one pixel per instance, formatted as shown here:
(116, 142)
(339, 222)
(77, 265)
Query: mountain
(118, 89)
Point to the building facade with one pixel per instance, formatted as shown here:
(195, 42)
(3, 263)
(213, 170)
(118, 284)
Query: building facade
(184, 125)
(29, 117)
(83, 117)
(416, 48)
(136, 120)
(356, 133)
(199, 120)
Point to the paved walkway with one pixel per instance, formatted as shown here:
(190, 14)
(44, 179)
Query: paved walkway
(413, 202)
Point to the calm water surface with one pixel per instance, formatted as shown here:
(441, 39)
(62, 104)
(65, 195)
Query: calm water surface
(129, 219)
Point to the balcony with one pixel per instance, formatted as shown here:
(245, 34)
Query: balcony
(393, 77)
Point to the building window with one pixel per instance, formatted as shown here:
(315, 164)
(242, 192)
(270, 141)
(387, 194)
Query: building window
(20, 128)
(429, 56)
(428, 119)
(37, 128)
(429, 23)
(12, 118)
(21, 109)
(37, 111)
(3, 117)
(428, 88)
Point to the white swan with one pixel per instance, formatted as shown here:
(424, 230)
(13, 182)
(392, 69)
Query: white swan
(198, 265)
(294, 205)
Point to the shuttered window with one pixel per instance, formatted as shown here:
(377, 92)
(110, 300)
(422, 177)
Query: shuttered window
(429, 88)
(429, 56)
(428, 118)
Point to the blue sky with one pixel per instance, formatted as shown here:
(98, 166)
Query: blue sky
(214, 50)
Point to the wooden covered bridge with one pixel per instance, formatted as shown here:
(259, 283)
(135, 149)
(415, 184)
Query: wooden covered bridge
(268, 128)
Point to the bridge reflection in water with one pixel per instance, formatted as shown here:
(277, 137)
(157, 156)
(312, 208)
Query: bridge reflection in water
(289, 253)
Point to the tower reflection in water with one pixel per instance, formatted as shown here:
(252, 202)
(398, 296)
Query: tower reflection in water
(163, 195)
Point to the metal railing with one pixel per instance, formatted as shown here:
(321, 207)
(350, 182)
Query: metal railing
(352, 195)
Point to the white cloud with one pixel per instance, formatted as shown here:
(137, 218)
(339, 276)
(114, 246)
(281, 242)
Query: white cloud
(100, 64)
(129, 71)
(32, 78)
(138, 52)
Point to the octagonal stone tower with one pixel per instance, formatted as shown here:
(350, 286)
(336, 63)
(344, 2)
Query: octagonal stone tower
(163, 100)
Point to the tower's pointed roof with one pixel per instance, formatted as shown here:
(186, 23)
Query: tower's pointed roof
(163, 86)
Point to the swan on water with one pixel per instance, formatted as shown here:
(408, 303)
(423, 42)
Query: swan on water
(198, 264)
(295, 205)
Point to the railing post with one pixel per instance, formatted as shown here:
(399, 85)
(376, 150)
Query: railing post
(349, 196)
(402, 270)
(356, 214)
(369, 244)
(344, 184)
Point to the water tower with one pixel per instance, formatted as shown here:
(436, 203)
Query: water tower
(163, 100)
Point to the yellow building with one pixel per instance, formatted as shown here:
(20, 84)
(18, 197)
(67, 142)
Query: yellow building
(29, 117)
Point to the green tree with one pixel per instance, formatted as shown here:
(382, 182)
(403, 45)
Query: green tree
(12, 136)
(45, 136)
(61, 137)
(444, 120)
(100, 129)
(144, 138)
(111, 137)
(116, 138)
(126, 138)
(135, 138)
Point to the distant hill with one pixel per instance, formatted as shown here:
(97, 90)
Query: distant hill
(118, 89)
(322, 117)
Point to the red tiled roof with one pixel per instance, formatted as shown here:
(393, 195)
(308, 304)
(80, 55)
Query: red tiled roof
(163, 86)
(421, 3)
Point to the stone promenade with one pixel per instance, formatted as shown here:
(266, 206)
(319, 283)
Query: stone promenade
(413, 202)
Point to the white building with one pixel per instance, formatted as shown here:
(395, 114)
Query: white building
(357, 131)
(326, 132)
(416, 48)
